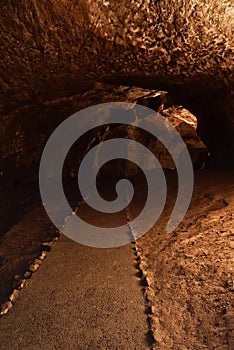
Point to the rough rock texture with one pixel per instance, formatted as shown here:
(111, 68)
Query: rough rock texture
(55, 49)
(51, 113)
(183, 121)
(190, 271)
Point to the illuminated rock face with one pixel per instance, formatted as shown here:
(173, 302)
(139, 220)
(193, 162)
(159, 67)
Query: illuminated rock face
(168, 38)
(53, 50)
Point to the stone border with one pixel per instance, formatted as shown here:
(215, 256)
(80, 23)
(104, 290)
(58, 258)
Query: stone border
(21, 281)
(144, 283)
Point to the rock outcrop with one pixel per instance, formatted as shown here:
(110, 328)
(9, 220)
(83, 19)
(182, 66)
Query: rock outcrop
(54, 50)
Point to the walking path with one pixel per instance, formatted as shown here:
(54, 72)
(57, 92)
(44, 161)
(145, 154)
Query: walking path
(80, 298)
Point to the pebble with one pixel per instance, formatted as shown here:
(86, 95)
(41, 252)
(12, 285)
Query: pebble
(6, 307)
(21, 284)
(34, 267)
(43, 255)
(14, 296)
(37, 261)
(28, 274)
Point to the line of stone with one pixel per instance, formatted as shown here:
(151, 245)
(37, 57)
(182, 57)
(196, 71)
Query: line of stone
(145, 286)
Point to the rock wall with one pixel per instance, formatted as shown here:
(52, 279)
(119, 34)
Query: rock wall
(54, 50)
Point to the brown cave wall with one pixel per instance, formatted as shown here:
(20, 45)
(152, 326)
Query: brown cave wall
(54, 51)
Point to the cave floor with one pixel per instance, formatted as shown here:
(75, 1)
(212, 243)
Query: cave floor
(89, 298)
(80, 298)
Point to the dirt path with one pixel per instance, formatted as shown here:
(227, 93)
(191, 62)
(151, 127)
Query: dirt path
(80, 298)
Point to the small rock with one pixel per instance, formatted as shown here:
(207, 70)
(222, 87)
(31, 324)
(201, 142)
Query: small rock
(6, 307)
(34, 267)
(37, 261)
(14, 296)
(19, 284)
(28, 274)
(43, 255)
